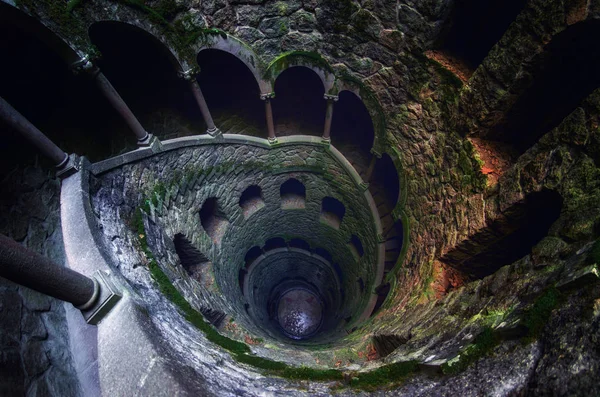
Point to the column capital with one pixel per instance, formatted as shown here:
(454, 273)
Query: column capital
(85, 64)
(268, 95)
(333, 98)
(375, 153)
(190, 74)
(69, 166)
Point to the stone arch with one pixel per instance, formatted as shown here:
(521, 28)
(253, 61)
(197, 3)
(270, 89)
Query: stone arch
(332, 212)
(156, 39)
(566, 69)
(371, 103)
(232, 92)
(36, 28)
(309, 60)
(352, 129)
(299, 106)
(37, 81)
(293, 194)
(241, 51)
(147, 76)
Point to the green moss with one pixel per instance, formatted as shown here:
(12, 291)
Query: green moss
(72, 4)
(537, 316)
(286, 59)
(482, 346)
(387, 375)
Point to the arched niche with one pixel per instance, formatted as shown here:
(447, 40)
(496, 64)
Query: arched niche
(565, 73)
(231, 92)
(352, 130)
(242, 52)
(145, 73)
(35, 78)
(299, 106)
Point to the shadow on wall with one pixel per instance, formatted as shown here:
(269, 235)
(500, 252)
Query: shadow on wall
(508, 238)
(566, 74)
(476, 26)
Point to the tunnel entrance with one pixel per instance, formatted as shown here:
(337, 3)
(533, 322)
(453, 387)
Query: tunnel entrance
(299, 107)
(508, 238)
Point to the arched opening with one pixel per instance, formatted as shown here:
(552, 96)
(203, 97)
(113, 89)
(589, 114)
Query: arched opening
(190, 257)
(352, 130)
(213, 219)
(36, 80)
(394, 239)
(252, 254)
(145, 74)
(382, 292)
(323, 253)
(385, 189)
(274, 243)
(566, 74)
(361, 285)
(476, 26)
(299, 243)
(356, 247)
(299, 107)
(293, 194)
(508, 238)
(332, 212)
(232, 93)
(251, 200)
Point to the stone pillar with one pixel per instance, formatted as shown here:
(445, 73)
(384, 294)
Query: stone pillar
(109, 92)
(269, 114)
(190, 76)
(34, 271)
(65, 164)
(369, 174)
(329, 116)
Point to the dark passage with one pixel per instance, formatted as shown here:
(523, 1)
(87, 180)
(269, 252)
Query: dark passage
(477, 26)
(232, 93)
(508, 238)
(566, 73)
(299, 107)
(145, 74)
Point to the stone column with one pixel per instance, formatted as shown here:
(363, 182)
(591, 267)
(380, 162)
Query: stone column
(34, 271)
(369, 174)
(269, 114)
(109, 92)
(190, 76)
(64, 163)
(328, 116)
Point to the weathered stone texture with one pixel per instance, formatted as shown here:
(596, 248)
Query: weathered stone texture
(35, 354)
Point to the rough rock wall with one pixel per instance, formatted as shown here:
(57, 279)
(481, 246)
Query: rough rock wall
(35, 355)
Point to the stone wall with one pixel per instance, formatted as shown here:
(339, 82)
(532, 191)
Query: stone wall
(35, 356)
(175, 185)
